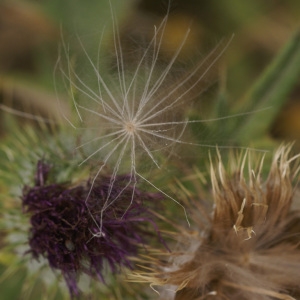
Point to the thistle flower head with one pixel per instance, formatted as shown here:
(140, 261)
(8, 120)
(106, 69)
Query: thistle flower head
(63, 232)
(249, 246)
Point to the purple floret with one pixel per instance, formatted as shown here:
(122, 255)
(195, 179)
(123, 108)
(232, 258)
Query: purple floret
(64, 226)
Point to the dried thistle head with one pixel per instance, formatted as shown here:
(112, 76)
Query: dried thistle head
(250, 246)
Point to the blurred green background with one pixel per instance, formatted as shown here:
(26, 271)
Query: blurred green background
(31, 31)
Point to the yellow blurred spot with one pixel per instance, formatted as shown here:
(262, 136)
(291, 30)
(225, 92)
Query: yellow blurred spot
(6, 258)
(288, 123)
(181, 31)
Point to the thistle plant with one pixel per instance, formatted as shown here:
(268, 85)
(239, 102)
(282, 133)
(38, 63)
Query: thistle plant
(61, 226)
(86, 199)
(46, 220)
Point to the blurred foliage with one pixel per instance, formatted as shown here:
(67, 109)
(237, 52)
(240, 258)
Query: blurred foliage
(249, 77)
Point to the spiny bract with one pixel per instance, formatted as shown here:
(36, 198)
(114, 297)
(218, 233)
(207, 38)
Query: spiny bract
(248, 248)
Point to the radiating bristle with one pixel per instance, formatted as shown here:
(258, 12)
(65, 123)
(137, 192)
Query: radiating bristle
(133, 118)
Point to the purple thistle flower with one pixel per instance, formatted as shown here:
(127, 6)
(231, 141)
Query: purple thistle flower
(64, 226)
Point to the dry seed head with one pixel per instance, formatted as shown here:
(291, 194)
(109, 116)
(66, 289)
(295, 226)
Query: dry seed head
(250, 248)
(128, 126)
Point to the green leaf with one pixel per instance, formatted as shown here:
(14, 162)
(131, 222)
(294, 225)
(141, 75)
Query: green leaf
(270, 92)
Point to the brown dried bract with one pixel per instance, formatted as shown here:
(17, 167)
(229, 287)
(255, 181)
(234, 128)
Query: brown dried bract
(250, 248)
